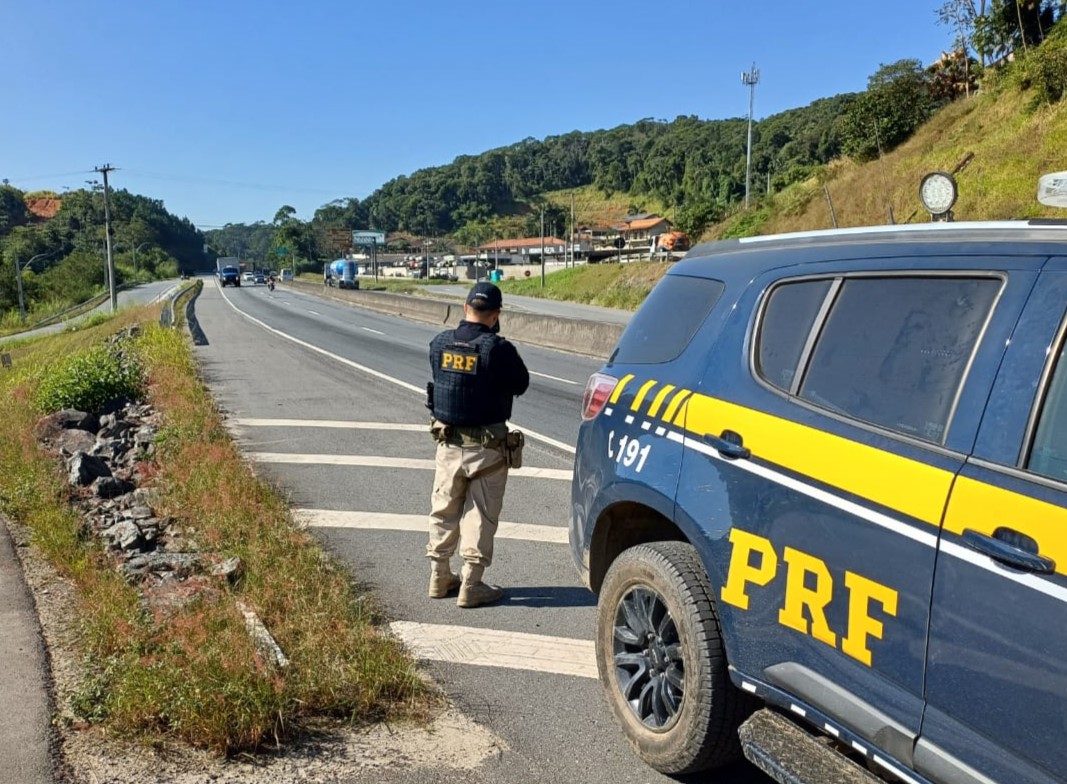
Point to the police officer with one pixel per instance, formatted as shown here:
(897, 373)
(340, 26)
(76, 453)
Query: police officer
(476, 376)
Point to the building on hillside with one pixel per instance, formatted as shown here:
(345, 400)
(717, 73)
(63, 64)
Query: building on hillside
(640, 230)
(521, 251)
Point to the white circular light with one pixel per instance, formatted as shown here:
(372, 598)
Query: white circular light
(938, 192)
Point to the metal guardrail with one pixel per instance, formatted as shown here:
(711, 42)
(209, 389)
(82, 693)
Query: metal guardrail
(167, 316)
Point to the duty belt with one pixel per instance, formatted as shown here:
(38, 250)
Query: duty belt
(469, 435)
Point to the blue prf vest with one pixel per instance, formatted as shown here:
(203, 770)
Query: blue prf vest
(465, 392)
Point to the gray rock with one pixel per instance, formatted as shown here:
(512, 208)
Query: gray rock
(109, 448)
(144, 436)
(70, 418)
(124, 535)
(231, 569)
(111, 487)
(74, 440)
(85, 468)
(138, 513)
(117, 429)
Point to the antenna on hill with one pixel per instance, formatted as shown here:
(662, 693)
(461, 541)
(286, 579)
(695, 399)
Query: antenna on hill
(750, 79)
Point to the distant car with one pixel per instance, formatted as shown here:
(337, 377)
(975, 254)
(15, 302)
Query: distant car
(248, 277)
(260, 277)
(287, 274)
(185, 276)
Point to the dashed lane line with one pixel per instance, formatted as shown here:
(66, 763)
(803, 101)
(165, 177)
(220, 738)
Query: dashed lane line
(329, 423)
(495, 648)
(377, 461)
(375, 331)
(421, 391)
(555, 378)
(389, 521)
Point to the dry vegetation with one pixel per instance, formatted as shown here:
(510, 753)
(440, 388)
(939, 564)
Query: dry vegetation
(193, 674)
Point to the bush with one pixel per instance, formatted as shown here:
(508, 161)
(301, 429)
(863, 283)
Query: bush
(89, 380)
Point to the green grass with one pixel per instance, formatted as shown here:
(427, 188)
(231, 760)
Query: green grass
(609, 285)
(193, 674)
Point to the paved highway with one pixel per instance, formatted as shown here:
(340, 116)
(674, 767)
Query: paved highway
(137, 295)
(327, 401)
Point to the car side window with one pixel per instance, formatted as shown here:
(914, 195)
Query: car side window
(787, 321)
(1048, 455)
(894, 350)
(668, 320)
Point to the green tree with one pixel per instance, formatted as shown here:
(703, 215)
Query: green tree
(898, 100)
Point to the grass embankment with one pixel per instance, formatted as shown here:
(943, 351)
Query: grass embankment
(1012, 143)
(193, 673)
(609, 285)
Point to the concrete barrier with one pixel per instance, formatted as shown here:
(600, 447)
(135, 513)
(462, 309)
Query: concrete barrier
(593, 338)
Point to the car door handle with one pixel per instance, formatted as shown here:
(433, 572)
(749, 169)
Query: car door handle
(729, 444)
(1008, 554)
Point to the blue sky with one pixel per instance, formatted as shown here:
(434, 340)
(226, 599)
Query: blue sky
(228, 109)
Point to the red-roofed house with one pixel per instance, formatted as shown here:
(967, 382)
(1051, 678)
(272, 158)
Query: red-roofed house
(641, 229)
(521, 250)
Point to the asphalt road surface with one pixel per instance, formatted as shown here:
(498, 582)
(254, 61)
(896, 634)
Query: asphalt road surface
(327, 401)
(141, 294)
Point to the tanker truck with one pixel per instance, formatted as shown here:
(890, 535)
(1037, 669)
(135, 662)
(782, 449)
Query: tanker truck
(340, 273)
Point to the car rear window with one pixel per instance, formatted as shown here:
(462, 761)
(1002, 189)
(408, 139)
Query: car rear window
(663, 326)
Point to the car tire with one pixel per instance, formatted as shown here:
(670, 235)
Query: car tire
(659, 644)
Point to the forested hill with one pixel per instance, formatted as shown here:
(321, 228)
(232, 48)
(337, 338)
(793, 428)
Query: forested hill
(63, 236)
(693, 167)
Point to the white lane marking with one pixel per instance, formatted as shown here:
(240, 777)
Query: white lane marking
(494, 648)
(375, 331)
(389, 521)
(377, 461)
(383, 376)
(314, 312)
(555, 378)
(329, 423)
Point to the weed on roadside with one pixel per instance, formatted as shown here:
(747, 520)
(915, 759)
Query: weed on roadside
(193, 673)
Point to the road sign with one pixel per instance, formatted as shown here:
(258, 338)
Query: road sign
(339, 238)
(368, 238)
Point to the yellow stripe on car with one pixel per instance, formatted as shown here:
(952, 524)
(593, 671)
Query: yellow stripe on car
(639, 398)
(984, 508)
(908, 486)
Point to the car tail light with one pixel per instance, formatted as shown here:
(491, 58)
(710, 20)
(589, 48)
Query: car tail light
(597, 392)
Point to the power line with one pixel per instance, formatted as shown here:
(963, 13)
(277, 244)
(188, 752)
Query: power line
(46, 176)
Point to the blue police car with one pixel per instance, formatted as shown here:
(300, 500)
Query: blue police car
(821, 492)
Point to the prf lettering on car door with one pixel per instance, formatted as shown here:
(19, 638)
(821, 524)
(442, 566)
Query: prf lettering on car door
(808, 584)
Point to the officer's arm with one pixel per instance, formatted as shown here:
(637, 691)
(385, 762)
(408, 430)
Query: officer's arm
(517, 374)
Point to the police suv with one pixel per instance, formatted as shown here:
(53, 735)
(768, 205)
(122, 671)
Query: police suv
(821, 491)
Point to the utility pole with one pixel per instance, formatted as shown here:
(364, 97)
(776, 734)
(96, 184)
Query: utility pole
(107, 167)
(570, 239)
(750, 79)
(542, 246)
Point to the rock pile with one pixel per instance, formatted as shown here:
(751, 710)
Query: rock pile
(106, 459)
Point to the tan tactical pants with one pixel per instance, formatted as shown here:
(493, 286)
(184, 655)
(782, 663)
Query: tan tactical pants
(468, 493)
